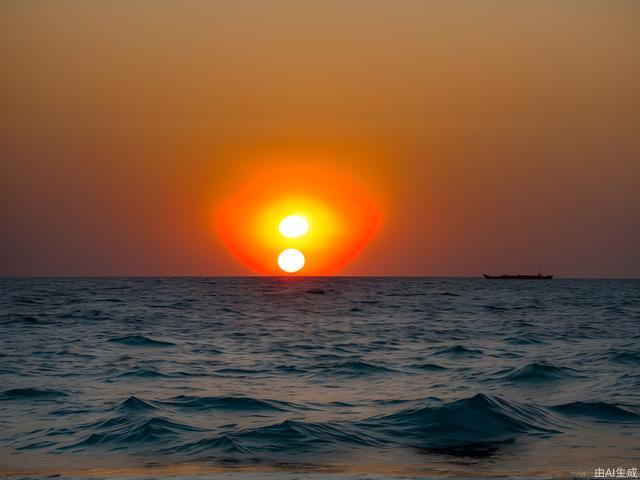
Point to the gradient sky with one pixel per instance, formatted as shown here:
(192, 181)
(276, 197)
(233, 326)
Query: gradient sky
(498, 133)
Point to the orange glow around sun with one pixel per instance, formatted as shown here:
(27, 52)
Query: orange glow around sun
(297, 219)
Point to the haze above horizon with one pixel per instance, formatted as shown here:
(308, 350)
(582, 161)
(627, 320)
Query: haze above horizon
(491, 134)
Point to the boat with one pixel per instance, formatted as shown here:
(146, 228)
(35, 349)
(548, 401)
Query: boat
(539, 276)
(518, 277)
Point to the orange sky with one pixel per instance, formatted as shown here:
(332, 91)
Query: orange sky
(489, 134)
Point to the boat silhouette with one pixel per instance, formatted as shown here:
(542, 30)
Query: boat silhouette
(539, 276)
(518, 277)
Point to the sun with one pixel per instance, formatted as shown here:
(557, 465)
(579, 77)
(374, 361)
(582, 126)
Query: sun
(298, 217)
(291, 260)
(294, 226)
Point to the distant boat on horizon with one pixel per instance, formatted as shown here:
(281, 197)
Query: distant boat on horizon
(518, 277)
(539, 276)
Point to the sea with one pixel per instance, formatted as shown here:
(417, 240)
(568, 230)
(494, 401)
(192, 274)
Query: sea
(328, 378)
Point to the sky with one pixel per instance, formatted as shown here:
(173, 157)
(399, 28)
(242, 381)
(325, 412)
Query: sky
(492, 135)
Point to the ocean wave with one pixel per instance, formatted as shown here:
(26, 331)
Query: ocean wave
(289, 369)
(498, 308)
(477, 425)
(294, 435)
(135, 404)
(30, 393)
(224, 443)
(68, 411)
(431, 367)
(540, 372)
(23, 320)
(140, 341)
(316, 291)
(524, 341)
(232, 403)
(624, 357)
(281, 438)
(122, 432)
(36, 445)
(240, 372)
(143, 373)
(471, 425)
(458, 350)
(601, 411)
(353, 368)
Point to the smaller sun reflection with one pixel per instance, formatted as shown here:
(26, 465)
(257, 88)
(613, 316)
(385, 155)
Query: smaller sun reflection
(291, 260)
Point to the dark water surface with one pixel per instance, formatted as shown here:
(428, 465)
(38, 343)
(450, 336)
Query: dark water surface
(318, 377)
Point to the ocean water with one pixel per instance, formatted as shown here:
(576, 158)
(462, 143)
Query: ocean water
(331, 378)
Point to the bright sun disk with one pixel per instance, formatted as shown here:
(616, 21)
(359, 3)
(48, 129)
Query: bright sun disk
(293, 226)
(291, 260)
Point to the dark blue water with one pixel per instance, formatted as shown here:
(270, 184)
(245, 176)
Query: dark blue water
(318, 377)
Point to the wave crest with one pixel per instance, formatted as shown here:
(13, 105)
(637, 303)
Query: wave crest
(140, 341)
(354, 368)
(470, 423)
(539, 372)
(601, 411)
(30, 394)
(237, 403)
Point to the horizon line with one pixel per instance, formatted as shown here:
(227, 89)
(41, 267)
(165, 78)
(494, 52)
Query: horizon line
(81, 276)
